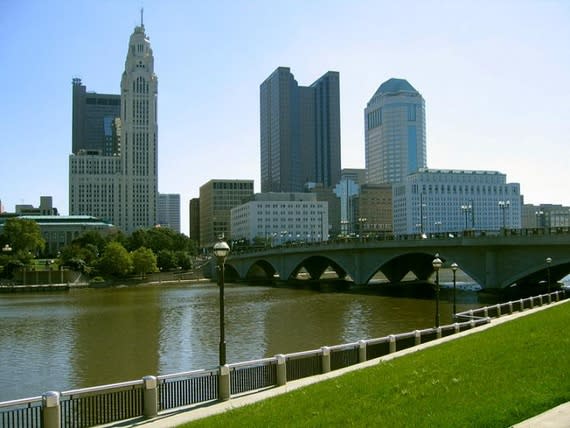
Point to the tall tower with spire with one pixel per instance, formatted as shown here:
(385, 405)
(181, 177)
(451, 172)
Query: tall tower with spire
(120, 185)
(139, 131)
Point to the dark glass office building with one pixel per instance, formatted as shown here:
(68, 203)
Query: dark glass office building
(299, 132)
(93, 119)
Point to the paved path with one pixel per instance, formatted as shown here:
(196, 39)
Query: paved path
(559, 417)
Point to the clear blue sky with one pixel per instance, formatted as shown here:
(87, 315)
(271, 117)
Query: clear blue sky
(494, 75)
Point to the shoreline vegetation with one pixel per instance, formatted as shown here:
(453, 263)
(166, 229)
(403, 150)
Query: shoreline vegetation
(494, 378)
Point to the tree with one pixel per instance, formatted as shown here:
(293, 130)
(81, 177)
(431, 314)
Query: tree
(115, 261)
(24, 236)
(167, 260)
(144, 261)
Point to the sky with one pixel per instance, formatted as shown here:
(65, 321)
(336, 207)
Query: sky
(494, 76)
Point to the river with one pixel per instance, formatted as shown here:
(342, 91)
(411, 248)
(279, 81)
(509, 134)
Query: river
(94, 336)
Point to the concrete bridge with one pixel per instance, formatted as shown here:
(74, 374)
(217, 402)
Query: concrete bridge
(517, 257)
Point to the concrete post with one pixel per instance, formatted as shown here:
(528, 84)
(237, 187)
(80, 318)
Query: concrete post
(456, 327)
(522, 305)
(51, 410)
(361, 351)
(326, 359)
(417, 338)
(150, 396)
(392, 341)
(224, 383)
(281, 370)
(531, 302)
(498, 310)
(510, 307)
(540, 300)
(438, 334)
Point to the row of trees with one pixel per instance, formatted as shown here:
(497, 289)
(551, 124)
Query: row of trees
(111, 254)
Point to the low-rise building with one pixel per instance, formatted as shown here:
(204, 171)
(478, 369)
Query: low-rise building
(59, 231)
(434, 201)
(279, 218)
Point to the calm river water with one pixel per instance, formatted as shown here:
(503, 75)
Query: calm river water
(87, 337)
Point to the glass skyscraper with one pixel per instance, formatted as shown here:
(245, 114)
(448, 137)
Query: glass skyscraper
(395, 132)
(300, 132)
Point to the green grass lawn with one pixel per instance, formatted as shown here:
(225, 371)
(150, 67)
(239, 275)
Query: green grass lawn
(495, 378)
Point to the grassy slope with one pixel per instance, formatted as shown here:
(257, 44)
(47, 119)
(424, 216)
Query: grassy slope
(492, 379)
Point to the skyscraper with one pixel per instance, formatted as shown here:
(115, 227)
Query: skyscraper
(395, 132)
(139, 132)
(168, 211)
(117, 179)
(299, 132)
(92, 121)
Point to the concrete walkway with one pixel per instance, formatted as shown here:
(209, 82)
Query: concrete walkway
(559, 417)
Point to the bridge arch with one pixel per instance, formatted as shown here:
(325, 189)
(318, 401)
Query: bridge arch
(316, 267)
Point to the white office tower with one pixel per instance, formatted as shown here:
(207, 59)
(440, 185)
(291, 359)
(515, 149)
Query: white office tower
(139, 87)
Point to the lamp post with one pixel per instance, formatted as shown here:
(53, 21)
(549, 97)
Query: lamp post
(454, 267)
(466, 208)
(548, 261)
(6, 249)
(503, 206)
(538, 215)
(221, 251)
(436, 263)
(361, 224)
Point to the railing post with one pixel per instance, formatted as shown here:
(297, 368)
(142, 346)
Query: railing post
(224, 383)
(150, 396)
(531, 302)
(361, 351)
(522, 305)
(510, 307)
(326, 359)
(417, 337)
(392, 342)
(281, 370)
(485, 312)
(540, 299)
(456, 327)
(498, 310)
(438, 332)
(51, 409)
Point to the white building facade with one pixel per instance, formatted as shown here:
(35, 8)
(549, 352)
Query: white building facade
(441, 201)
(278, 218)
(122, 186)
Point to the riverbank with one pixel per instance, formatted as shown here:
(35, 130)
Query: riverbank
(494, 376)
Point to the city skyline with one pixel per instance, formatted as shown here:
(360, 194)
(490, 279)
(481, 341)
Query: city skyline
(493, 77)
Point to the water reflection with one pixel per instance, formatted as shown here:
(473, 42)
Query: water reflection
(87, 337)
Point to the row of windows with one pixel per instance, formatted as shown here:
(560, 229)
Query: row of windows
(103, 101)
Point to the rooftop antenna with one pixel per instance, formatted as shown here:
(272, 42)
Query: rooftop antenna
(142, 12)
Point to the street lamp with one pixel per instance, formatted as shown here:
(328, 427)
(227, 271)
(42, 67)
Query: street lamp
(548, 261)
(466, 209)
(436, 263)
(221, 251)
(538, 215)
(503, 206)
(454, 267)
(6, 249)
(361, 224)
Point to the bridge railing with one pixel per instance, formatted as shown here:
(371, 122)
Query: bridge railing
(383, 237)
(147, 397)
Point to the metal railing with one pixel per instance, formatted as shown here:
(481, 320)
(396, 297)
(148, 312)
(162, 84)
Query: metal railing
(304, 364)
(99, 405)
(112, 403)
(25, 413)
(184, 389)
(252, 375)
